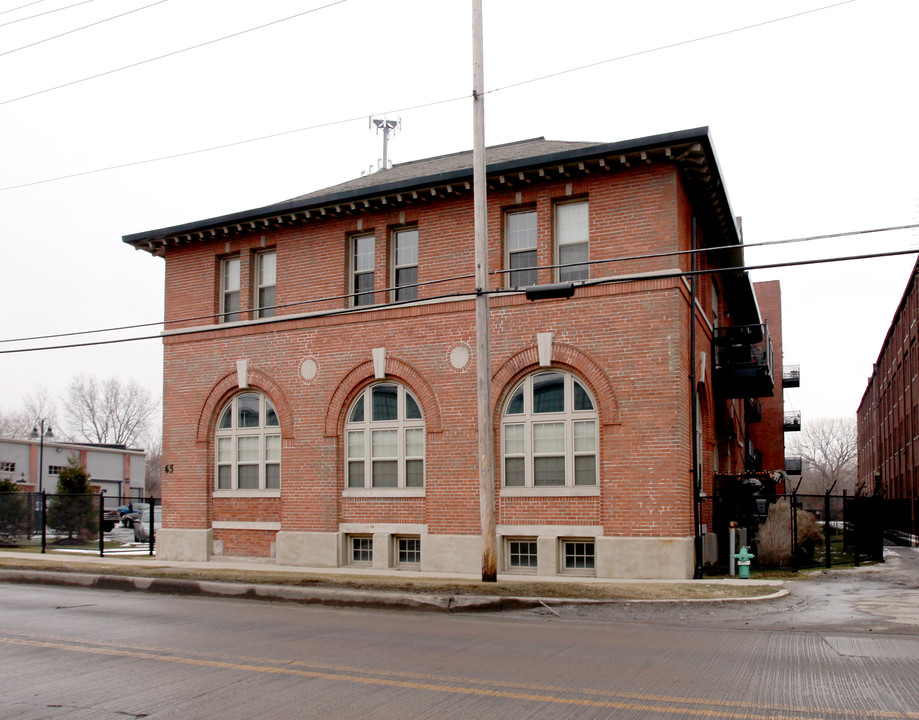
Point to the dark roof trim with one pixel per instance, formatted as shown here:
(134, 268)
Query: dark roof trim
(697, 135)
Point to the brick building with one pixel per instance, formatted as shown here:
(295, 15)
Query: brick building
(888, 415)
(767, 419)
(320, 384)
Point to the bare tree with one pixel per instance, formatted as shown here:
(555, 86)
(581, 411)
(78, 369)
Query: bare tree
(829, 449)
(109, 411)
(18, 424)
(153, 462)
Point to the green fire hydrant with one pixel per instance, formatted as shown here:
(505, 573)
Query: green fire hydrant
(743, 563)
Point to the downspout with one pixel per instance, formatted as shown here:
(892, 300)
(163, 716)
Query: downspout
(693, 391)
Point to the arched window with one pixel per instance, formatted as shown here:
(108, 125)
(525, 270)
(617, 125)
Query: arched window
(549, 433)
(248, 452)
(384, 439)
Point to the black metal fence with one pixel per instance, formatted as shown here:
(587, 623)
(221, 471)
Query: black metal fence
(795, 531)
(72, 521)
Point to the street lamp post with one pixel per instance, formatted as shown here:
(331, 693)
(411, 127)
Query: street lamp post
(40, 435)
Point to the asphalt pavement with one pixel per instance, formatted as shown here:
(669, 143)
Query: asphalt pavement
(875, 598)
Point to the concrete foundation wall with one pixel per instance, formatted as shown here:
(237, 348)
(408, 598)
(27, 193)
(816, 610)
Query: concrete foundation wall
(184, 545)
(645, 558)
(451, 553)
(308, 549)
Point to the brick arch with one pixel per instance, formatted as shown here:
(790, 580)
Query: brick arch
(564, 357)
(228, 386)
(363, 374)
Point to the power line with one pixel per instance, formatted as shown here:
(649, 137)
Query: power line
(628, 258)
(70, 32)
(49, 12)
(390, 112)
(696, 251)
(34, 2)
(500, 291)
(282, 133)
(669, 46)
(170, 54)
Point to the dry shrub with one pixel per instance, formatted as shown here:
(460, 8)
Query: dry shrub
(774, 540)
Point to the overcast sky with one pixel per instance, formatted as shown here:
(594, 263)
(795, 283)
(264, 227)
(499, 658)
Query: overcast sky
(813, 119)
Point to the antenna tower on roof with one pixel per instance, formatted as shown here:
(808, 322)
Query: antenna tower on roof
(387, 126)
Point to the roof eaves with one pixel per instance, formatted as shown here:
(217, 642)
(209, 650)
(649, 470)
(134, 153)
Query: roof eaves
(427, 180)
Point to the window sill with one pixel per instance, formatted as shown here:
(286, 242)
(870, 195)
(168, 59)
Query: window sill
(552, 491)
(382, 492)
(247, 493)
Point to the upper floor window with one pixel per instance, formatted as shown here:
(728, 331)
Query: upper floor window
(405, 264)
(572, 240)
(265, 282)
(362, 265)
(229, 289)
(384, 439)
(248, 445)
(520, 241)
(549, 433)
(7, 467)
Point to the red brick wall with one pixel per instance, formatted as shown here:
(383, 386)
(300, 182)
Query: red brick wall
(628, 343)
(769, 435)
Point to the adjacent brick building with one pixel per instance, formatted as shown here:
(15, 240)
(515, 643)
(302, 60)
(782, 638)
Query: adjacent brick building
(320, 384)
(888, 415)
(767, 418)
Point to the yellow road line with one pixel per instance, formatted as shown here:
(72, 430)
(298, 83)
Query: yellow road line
(436, 687)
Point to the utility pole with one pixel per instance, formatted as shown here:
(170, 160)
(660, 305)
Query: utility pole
(387, 126)
(482, 338)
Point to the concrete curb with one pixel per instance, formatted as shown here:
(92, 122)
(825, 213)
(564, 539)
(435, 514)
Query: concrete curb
(334, 597)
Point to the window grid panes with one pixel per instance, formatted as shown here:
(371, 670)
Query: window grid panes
(578, 555)
(385, 446)
(408, 550)
(266, 281)
(549, 433)
(520, 240)
(572, 241)
(361, 549)
(521, 554)
(229, 290)
(405, 264)
(248, 446)
(362, 268)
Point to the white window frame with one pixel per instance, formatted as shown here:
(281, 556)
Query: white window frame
(263, 284)
(528, 423)
(590, 567)
(359, 449)
(230, 442)
(357, 269)
(571, 232)
(366, 546)
(404, 291)
(398, 562)
(230, 269)
(510, 236)
(508, 555)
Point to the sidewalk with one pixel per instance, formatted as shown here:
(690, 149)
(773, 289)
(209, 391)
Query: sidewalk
(364, 587)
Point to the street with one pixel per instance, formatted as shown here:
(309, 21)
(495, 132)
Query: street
(76, 653)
